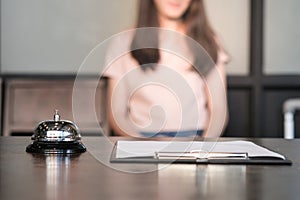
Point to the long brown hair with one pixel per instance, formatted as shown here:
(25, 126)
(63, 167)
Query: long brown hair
(197, 27)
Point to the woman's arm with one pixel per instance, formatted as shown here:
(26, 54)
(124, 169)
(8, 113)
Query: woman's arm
(118, 118)
(217, 101)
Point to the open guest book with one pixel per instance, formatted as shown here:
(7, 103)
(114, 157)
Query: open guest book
(199, 152)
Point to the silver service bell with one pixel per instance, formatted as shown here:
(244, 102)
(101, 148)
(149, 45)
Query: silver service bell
(56, 137)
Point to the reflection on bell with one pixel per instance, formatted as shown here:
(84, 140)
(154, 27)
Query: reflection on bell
(56, 137)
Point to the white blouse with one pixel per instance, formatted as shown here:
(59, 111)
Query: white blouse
(171, 97)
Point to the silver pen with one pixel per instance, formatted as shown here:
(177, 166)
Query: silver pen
(201, 155)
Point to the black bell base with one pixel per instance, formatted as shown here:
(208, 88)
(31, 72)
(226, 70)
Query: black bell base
(56, 147)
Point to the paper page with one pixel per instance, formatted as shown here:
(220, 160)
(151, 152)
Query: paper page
(134, 149)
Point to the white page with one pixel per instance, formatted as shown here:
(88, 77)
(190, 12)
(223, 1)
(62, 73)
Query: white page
(131, 149)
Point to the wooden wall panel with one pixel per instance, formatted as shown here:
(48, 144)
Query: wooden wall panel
(29, 101)
(239, 111)
(272, 125)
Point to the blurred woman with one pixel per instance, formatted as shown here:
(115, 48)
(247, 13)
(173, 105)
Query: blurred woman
(155, 92)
